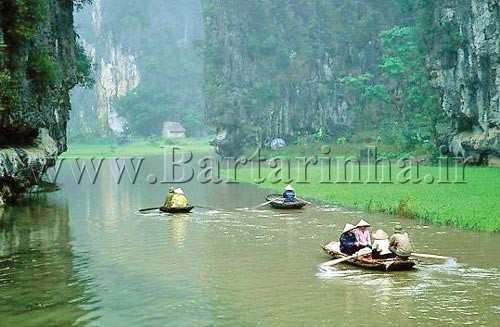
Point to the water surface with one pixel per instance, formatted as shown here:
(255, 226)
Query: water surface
(83, 256)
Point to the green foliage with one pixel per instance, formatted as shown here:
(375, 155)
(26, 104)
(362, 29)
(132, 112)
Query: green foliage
(342, 141)
(84, 68)
(79, 4)
(9, 95)
(24, 18)
(42, 69)
(146, 109)
(400, 94)
(320, 135)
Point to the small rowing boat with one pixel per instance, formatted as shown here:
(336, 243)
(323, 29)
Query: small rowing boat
(176, 210)
(277, 201)
(397, 264)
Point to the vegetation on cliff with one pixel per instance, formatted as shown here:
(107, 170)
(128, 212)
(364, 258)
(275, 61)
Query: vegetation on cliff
(148, 68)
(39, 63)
(289, 69)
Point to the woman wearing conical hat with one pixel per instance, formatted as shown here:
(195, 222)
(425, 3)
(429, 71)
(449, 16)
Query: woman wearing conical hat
(380, 246)
(168, 199)
(348, 242)
(289, 194)
(362, 233)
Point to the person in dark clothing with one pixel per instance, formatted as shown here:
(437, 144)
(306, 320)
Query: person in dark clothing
(348, 242)
(289, 194)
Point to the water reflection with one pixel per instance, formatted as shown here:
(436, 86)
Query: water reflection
(39, 284)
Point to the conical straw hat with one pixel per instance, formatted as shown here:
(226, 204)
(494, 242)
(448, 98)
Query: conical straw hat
(363, 223)
(348, 227)
(380, 235)
(289, 188)
(178, 191)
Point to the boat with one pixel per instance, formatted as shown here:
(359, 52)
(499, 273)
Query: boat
(277, 201)
(333, 249)
(176, 210)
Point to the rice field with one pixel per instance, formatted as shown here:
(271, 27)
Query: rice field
(465, 197)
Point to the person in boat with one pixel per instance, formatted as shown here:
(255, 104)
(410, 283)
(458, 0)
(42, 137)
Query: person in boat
(400, 244)
(170, 194)
(289, 194)
(362, 233)
(178, 199)
(348, 242)
(380, 246)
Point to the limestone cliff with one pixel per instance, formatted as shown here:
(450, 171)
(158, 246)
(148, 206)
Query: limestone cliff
(37, 69)
(466, 67)
(115, 70)
(272, 68)
(145, 61)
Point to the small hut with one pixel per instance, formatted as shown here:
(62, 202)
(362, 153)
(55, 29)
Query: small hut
(173, 130)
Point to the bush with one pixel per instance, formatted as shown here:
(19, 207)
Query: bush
(42, 69)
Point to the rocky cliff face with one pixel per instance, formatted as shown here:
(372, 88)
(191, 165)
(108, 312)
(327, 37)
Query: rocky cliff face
(37, 70)
(272, 67)
(144, 61)
(467, 70)
(116, 73)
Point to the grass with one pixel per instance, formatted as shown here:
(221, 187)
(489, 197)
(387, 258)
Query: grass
(141, 147)
(472, 204)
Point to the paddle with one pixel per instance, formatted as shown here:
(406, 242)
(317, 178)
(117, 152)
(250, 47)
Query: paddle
(363, 251)
(148, 209)
(261, 205)
(312, 204)
(431, 256)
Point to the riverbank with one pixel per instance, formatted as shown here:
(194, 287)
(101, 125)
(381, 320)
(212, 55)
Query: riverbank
(469, 201)
(141, 147)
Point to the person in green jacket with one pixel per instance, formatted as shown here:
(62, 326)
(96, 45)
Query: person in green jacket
(178, 199)
(400, 244)
(170, 194)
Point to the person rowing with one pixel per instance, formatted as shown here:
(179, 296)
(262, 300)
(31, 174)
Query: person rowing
(170, 194)
(177, 199)
(289, 194)
(400, 244)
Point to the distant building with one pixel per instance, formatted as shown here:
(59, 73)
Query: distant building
(173, 130)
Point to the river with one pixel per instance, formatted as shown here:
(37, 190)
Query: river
(83, 256)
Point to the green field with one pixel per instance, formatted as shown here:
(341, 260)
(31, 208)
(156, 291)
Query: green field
(142, 147)
(470, 201)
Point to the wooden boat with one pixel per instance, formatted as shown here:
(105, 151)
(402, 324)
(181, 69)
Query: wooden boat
(333, 249)
(176, 210)
(278, 202)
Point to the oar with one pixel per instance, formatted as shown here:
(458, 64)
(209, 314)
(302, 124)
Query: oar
(361, 252)
(312, 204)
(431, 256)
(261, 205)
(148, 209)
